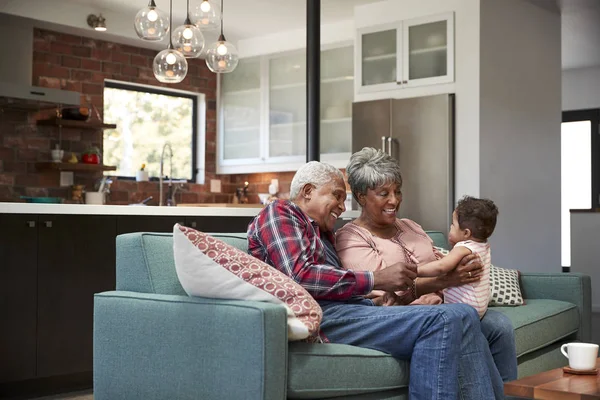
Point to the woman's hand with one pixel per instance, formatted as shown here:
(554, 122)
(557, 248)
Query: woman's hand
(387, 299)
(468, 271)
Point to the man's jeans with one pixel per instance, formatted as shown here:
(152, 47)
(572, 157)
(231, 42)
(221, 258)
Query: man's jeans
(444, 344)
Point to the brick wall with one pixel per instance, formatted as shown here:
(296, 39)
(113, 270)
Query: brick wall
(82, 64)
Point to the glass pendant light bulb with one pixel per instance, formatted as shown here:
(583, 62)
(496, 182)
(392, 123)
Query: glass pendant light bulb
(205, 14)
(221, 56)
(152, 15)
(221, 49)
(187, 38)
(170, 66)
(151, 23)
(205, 6)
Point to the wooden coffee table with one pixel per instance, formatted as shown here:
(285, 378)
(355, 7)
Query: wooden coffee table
(556, 385)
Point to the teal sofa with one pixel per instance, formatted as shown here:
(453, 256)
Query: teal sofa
(152, 341)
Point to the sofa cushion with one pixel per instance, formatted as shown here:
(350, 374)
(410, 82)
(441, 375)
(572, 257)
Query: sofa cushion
(209, 267)
(317, 371)
(541, 322)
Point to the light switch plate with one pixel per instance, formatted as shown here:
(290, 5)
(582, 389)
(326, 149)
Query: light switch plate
(215, 186)
(66, 178)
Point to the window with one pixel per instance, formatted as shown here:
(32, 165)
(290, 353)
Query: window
(147, 117)
(580, 170)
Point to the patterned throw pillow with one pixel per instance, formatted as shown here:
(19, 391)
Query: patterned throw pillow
(208, 267)
(505, 289)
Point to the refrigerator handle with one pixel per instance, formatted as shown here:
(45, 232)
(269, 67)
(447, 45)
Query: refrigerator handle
(383, 143)
(389, 139)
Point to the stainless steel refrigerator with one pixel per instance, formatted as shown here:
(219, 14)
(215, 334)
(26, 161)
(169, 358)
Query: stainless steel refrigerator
(419, 133)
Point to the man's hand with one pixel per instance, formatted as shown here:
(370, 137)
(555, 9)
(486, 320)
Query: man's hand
(469, 270)
(396, 277)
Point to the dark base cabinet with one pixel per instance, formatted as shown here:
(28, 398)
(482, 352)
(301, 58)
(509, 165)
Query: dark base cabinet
(76, 258)
(143, 223)
(18, 296)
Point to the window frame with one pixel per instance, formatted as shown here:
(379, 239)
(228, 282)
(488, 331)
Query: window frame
(198, 123)
(592, 115)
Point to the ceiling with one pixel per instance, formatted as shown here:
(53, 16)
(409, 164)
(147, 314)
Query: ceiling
(252, 18)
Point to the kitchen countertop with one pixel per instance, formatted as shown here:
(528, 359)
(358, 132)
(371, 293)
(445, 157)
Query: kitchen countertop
(85, 209)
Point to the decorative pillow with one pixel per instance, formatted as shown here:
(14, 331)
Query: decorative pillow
(208, 267)
(505, 289)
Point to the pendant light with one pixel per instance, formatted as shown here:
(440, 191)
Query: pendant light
(187, 38)
(170, 66)
(151, 23)
(221, 56)
(206, 14)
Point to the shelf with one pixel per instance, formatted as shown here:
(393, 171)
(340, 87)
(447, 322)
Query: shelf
(63, 166)
(429, 50)
(67, 123)
(380, 57)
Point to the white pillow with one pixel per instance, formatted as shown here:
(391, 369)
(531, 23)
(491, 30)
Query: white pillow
(209, 267)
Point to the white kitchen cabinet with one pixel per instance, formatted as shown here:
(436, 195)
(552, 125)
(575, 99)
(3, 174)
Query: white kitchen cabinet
(262, 118)
(405, 54)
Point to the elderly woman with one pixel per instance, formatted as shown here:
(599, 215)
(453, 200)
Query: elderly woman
(377, 239)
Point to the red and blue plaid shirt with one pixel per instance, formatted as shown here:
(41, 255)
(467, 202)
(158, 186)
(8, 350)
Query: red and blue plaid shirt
(283, 236)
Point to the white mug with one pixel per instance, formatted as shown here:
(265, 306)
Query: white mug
(582, 356)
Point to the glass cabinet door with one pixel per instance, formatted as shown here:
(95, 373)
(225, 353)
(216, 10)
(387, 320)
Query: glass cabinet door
(428, 50)
(240, 107)
(337, 94)
(378, 57)
(287, 105)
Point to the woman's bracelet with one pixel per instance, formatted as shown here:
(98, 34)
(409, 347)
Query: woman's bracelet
(413, 289)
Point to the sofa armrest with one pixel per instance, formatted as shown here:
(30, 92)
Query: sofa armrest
(571, 287)
(152, 346)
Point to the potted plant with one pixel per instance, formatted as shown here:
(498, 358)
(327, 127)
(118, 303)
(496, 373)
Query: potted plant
(91, 156)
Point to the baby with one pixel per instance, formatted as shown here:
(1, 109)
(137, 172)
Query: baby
(473, 222)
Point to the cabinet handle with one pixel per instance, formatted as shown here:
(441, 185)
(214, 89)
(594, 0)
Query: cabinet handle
(383, 144)
(48, 224)
(398, 83)
(193, 224)
(404, 81)
(31, 224)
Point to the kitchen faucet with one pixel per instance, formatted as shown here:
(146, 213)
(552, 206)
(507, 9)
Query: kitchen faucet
(160, 176)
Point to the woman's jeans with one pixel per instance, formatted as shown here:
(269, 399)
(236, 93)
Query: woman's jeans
(500, 334)
(444, 344)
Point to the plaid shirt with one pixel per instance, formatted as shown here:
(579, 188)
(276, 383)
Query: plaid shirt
(283, 236)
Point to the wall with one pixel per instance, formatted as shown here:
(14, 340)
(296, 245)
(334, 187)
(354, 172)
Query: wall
(584, 256)
(466, 85)
(519, 136)
(581, 88)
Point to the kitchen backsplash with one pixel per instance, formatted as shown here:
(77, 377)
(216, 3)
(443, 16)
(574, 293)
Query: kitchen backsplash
(82, 64)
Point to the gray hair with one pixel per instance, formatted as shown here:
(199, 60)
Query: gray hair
(315, 173)
(369, 169)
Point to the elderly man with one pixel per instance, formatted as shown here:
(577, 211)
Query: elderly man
(441, 342)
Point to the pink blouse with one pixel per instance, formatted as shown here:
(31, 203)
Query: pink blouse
(360, 250)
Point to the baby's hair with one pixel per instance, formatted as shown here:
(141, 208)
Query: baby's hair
(478, 215)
